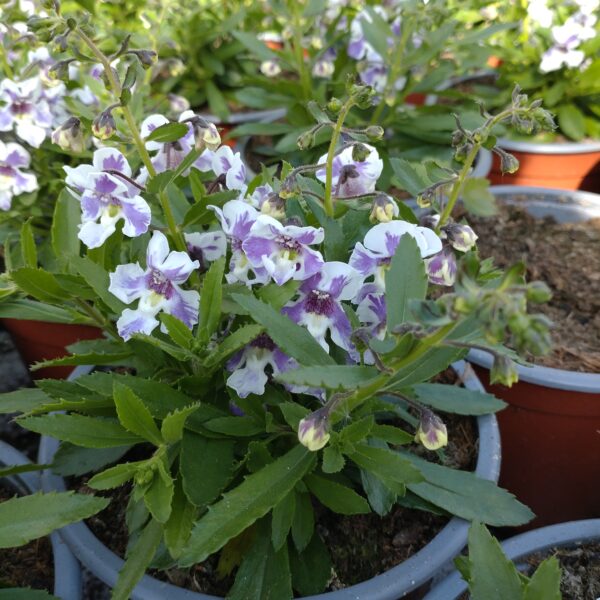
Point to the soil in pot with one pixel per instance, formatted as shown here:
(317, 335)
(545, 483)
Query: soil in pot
(29, 566)
(361, 546)
(566, 256)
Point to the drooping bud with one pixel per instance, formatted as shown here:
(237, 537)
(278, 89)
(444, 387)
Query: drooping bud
(104, 125)
(313, 430)
(374, 132)
(432, 432)
(430, 221)
(36, 23)
(147, 58)
(178, 104)
(463, 151)
(360, 153)
(441, 267)
(460, 236)
(458, 138)
(206, 134)
(274, 206)
(538, 292)
(69, 136)
(384, 209)
(270, 68)
(306, 140)
(60, 43)
(508, 162)
(60, 70)
(323, 69)
(289, 187)
(504, 371)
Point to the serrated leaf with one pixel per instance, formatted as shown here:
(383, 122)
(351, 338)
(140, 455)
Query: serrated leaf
(40, 284)
(281, 520)
(383, 463)
(98, 280)
(311, 569)
(65, 226)
(180, 523)
(134, 415)
(330, 377)
(28, 249)
(210, 300)
(115, 476)
(337, 497)
(178, 331)
(477, 198)
(458, 400)
(545, 582)
(159, 494)
(173, 424)
(411, 177)
(74, 460)
(235, 341)
(333, 460)
(303, 525)
(30, 517)
(248, 502)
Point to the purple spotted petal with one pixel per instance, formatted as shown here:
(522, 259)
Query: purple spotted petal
(127, 282)
(135, 321)
(184, 304)
(137, 216)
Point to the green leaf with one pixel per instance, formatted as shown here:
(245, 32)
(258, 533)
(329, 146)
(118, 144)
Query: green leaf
(134, 415)
(7, 470)
(169, 132)
(545, 582)
(210, 300)
(173, 424)
(333, 459)
(383, 463)
(116, 476)
(465, 495)
(249, 501)
(477, 198)
(571, 121)
(264, 573)
(282, 518)
(31, 517)
(257, 47)
(294, 340)
(159, 494)
(235, 426)
(89, 432)
(98, 280)
(65, 226)
(178, 331)
(28, 249)
(233, 342)
(391, 434)
(101, 352)
(458, 400)
(311, 569)
(180, 523)
(293, 413)
(206, 466)
(411, 177)
(337, 497)
(22, 401)
(73, 460)
(331, 377)
(139, 558)
(40, 284)
(492, 574)
(303, 525)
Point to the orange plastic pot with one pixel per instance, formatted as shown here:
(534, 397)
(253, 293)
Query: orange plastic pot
(40, 340)
(550, 430)
(415, 99)
(568, 166)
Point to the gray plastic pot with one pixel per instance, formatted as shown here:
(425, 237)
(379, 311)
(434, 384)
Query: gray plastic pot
(553, 417)
(67, 572)
(391, 585)
(574, 533)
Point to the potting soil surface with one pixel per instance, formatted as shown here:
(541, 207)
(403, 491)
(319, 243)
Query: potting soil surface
(566, 256)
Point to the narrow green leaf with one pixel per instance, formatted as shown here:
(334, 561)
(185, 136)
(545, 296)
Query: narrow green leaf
(65, 226)
(246, 503)
(383, 463)
(311, 569)
(73, 460)
(180, 523)
(159, 494)
(331, 377)
(282, 518)
(169, 132)
(178, 331)
(337, 497)
(134, 415)
(22, 401)
(98, 280)
(257, 47)
(7, 470)
(411, 177)
(173, 424)
(30, 517)
(232, 343)
(458, 400)
(28, 249)
(303, 525)
(210, 300)
(115, 476)
(40, 284)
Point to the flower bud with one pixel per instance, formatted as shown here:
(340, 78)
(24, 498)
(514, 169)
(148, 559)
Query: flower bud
(323, 69)
(441, 267)
(274, 206)
(316, 42)
(460, 236)
(175, 67)
(374, 132)
(313, 430)
(480, 135)
(60, 43)
(178, 104)
(147, 58)
(360, 153)
(544, 119)
(432, 432)
(334, 106)
(289, 187)
(363, 95)
(523, 125)
(306, 140)
(145, 475)
(430, 221)
(384, 209)
(463, 151)
(69, 136)
(458, 138)
(504, 371)
(206, 134)
(270, 68)
(36, 24)
(508, 162)
(60, 70)
(104, 125)
(538, 292)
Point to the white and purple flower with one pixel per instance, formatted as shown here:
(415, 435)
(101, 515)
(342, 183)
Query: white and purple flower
(25, 110)
(157, 288)
(229, 165)
(106, 198)
(319, 307)
(372, 310)
(441, 267)
(283, 251)
(352, 177)
(374, 256)
(13, 181)
(206, 247)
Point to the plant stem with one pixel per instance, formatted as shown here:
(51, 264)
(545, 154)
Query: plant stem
(328, 201)
(98, 318)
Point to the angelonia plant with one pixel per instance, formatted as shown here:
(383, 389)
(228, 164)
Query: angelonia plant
(269, 344)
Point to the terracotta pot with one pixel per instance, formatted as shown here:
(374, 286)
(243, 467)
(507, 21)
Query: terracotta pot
(416, 99)
(551, 429)
(41, 340)
(568, 166)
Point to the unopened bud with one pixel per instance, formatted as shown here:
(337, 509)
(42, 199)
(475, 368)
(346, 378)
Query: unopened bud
(441, 267)
(270, 68)
(480, 135)
(323, 69)
(363, 95)
(432, 432)
(458, 138)
(289, 187)
(274, 206)
(544, 119)
(36, 24)
(463, 151)
(206, 135)
(460, 236)
(60, 43)
(374, 132)
(508, 162)
(522, 124)
(306, 140)
(313, 430)
(147, 58)
(69, 136)
(177, 103)
(538, 292)
(334, 106)
(60, 70)
(360, 153)
(104, 125)
(504, 371)
(384, 209)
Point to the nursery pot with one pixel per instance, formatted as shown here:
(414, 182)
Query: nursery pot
(574, 533)
(551, 429)
(67, 573)
(42, 340)
(567, 166)
(391, 585)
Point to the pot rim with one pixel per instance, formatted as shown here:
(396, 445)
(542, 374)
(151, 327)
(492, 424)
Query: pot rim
(414, 572)
(68, 585)
(524, 544)
(550, 148)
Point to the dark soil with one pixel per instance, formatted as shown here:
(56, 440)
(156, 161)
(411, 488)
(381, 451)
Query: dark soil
(566, 256)
(29, 566)
(581, 570)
